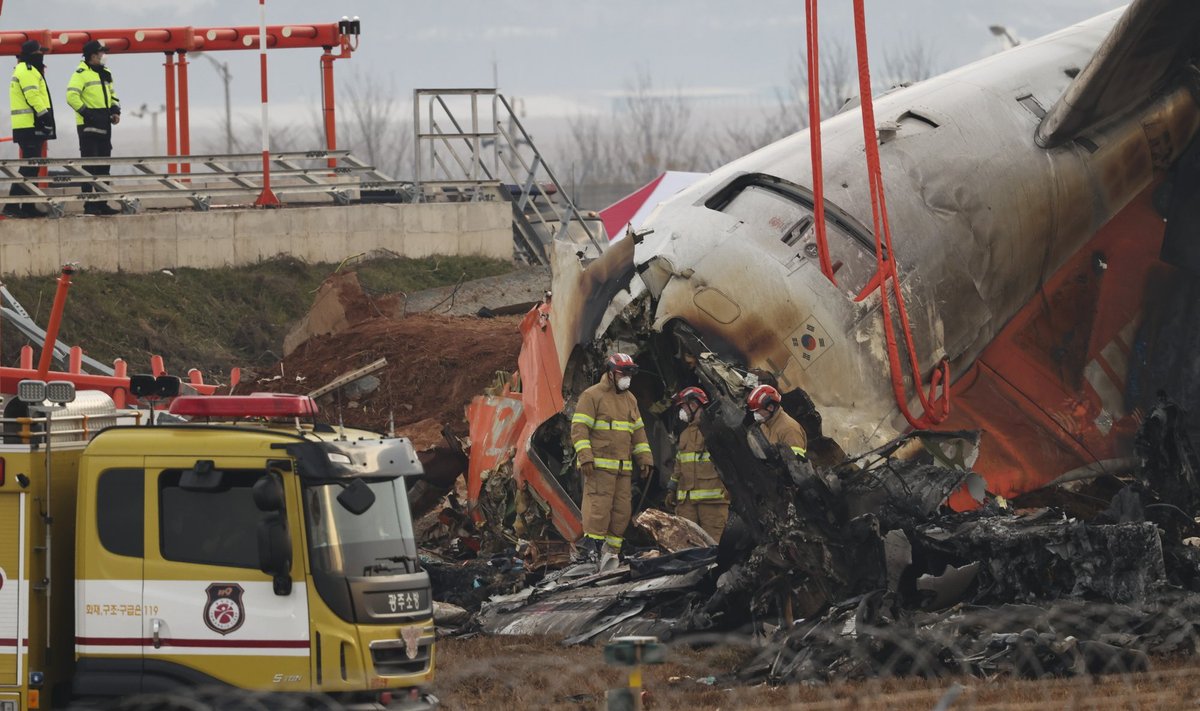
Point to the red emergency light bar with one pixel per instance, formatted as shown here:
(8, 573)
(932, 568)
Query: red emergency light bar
(180, 39)
(256, 405)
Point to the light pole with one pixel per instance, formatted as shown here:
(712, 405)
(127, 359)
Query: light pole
(1002, 32)
(144, 111)
(222, 69)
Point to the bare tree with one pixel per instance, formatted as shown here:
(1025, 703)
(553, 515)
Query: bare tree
(913, 61)
(839, 77)
(591, 145)
(649, 131)
(246, 136)
(372, 125)
(786, 116)
(789, 113)
(655, 127)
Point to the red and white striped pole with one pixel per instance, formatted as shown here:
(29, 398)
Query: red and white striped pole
(266, 198)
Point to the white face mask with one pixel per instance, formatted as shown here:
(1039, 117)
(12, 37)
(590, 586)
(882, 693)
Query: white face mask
(623, 382)
(684, 416)
(760, 416)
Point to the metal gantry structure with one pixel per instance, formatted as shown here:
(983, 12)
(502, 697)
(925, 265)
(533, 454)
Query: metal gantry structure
(218, 177)
(176, 42)
(484, 157)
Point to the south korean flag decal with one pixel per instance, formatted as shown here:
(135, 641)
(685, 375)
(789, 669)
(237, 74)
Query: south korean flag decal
(809, 342)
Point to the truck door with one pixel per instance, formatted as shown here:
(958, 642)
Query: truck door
(110, 544)
(210, 613)
(12, 540)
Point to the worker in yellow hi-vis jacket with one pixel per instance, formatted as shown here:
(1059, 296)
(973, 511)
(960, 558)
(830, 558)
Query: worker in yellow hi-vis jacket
(32, 118)
(97, 109)
(696, 489)
(765, 404)
(609, 438)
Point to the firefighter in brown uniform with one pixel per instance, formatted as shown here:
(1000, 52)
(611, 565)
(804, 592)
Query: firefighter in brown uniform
(696, 487)
(776, 425)
(609, 437)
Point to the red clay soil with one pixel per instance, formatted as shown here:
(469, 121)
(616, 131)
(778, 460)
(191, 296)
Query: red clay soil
(436, 364)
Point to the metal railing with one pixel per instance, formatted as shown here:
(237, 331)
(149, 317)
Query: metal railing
(14, 313)
(63, 428)
(211, 178)
(490, 155)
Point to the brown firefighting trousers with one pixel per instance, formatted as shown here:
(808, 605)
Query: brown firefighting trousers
(607, 505)
(711, 515)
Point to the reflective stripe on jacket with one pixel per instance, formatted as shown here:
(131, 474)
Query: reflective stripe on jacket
(28, 96)
(696, 477)
(607, 429)
(88, 90)
(781, 429)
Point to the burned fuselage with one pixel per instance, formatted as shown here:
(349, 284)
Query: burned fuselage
(982, 218)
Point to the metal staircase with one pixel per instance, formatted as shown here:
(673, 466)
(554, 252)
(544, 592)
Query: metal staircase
(488, 155)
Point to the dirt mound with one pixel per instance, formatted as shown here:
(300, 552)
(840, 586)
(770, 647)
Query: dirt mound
(435, 365)
(340, 302)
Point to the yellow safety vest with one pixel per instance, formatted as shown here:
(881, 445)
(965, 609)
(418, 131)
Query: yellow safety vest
(607, 429)
(28, 96)
(87, 90)
(695, 475)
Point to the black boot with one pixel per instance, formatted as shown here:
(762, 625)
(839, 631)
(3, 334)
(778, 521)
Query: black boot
(587, 550)
(21, 210)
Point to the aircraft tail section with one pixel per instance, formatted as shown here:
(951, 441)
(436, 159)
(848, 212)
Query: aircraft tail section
(1147, 50)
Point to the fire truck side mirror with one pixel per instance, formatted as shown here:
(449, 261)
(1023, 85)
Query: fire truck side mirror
(357, 497)
(275, 551)
(268, 493)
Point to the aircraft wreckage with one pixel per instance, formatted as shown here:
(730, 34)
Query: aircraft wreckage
(1028, 194)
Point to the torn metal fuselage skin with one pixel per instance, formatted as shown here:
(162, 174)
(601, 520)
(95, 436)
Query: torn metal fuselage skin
(981, 217)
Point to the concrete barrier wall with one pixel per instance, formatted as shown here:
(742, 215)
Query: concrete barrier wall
(233, 237)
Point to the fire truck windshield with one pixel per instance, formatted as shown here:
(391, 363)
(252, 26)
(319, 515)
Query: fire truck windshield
(377, 542)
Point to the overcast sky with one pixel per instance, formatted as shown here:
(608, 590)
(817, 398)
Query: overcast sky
(564, 57)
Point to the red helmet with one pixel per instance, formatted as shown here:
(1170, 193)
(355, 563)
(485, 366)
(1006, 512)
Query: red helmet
(692, 393)
(621, 363)
(764, 397)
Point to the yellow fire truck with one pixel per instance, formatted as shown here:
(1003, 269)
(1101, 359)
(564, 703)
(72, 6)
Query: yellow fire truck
(242, 545)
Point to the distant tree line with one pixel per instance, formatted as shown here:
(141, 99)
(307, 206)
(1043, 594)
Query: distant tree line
(650, 129)
(371, 124)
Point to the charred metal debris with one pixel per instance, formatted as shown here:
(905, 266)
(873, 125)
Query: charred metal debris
(850, 568)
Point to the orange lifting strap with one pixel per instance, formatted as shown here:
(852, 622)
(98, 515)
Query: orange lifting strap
(886, 278)
(814, 143)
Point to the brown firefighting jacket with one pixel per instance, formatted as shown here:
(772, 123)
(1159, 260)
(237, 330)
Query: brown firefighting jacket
(781, 429)
(695, 474)
(607, 429)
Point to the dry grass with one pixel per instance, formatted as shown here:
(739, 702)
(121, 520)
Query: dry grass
(504, 673)
(212, 319)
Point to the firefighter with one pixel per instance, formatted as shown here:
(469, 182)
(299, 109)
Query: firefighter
(609, 437)
(695, 486)
(32, 118)
(97, 110)
(764, 403)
